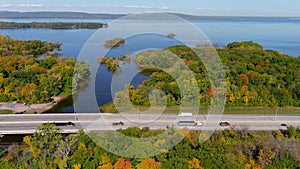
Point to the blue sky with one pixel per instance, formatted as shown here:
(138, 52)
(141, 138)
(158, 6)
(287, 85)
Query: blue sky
(195, 7)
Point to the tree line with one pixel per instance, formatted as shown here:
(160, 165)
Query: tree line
(10, 47)
(242, 149)
(53, 25)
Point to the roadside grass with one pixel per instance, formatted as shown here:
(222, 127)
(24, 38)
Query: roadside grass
(6, 111)
(237, 110)
(228, 110)
(263, 110)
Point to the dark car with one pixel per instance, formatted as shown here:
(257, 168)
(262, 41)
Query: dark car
(118, 123)
(62, 123)
(283, 125)
(225, 123)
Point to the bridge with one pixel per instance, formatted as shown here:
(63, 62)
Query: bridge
(28, 123)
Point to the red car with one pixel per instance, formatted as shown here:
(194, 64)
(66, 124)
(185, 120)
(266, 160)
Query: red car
(225, 123)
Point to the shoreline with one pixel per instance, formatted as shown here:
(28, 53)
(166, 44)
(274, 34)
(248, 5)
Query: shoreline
(20, 108)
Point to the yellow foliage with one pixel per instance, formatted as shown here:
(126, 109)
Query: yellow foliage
(149, 163)
(241, 158)
(173, 83)
(105, 159)
(278, 134)
(159, 85)
(194, 164)
(231, 97)
(77, 166)
(246, 99)
(82, 146)
(106, 166)
(251, 165)
(27, 140)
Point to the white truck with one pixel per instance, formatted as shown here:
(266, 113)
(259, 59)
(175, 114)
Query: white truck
(185, 114)
(185, 119)
(189, 123)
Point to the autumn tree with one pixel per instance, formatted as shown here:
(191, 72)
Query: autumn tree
(149, 163)
(122, 164)
(194, 164)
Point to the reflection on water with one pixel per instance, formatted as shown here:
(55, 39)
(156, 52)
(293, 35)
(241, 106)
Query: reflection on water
(65, 106)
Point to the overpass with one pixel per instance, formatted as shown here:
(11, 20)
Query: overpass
(28, 123)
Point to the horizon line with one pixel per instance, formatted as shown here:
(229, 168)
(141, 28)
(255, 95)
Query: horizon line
(180, 13)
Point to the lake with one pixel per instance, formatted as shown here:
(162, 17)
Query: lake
(278, 34)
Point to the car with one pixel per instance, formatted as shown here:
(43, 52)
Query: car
(283, 125)
(118, 123)
(60, 123)
(224, 123)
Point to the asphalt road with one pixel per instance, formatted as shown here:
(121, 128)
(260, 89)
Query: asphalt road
(28, 123)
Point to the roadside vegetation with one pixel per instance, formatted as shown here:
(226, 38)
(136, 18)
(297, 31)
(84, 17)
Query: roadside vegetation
(3, 111)
(243, 149)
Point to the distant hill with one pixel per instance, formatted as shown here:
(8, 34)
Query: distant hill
(78, 15)
(23, 15)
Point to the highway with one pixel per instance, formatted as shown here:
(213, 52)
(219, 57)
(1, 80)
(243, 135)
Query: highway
(28, 123)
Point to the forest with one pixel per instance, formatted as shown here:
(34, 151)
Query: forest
(241, 149)
(31, 72)
(254, 76)
(53, 25)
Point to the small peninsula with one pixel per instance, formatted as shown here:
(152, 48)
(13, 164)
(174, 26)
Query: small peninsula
(33, 78)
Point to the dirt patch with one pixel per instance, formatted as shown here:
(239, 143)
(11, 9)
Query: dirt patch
(20, 108)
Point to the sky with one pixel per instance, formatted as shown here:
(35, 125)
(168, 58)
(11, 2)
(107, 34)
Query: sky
(193, 7)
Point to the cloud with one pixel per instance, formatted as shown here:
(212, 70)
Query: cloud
(5, 5)
(200, 8)
(137, 7)
(30, 5)
(144, 7)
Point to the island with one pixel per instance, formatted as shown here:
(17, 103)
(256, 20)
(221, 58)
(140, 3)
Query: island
(33, 79)
(53, 25)
(171, 35)
(114, 42)
(113, 64)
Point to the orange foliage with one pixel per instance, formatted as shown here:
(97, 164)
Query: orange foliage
(187, 62)
(261, 64)
(245, 79)
(211, 91)
(122, 164)
(77, 166)
(192, 136)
